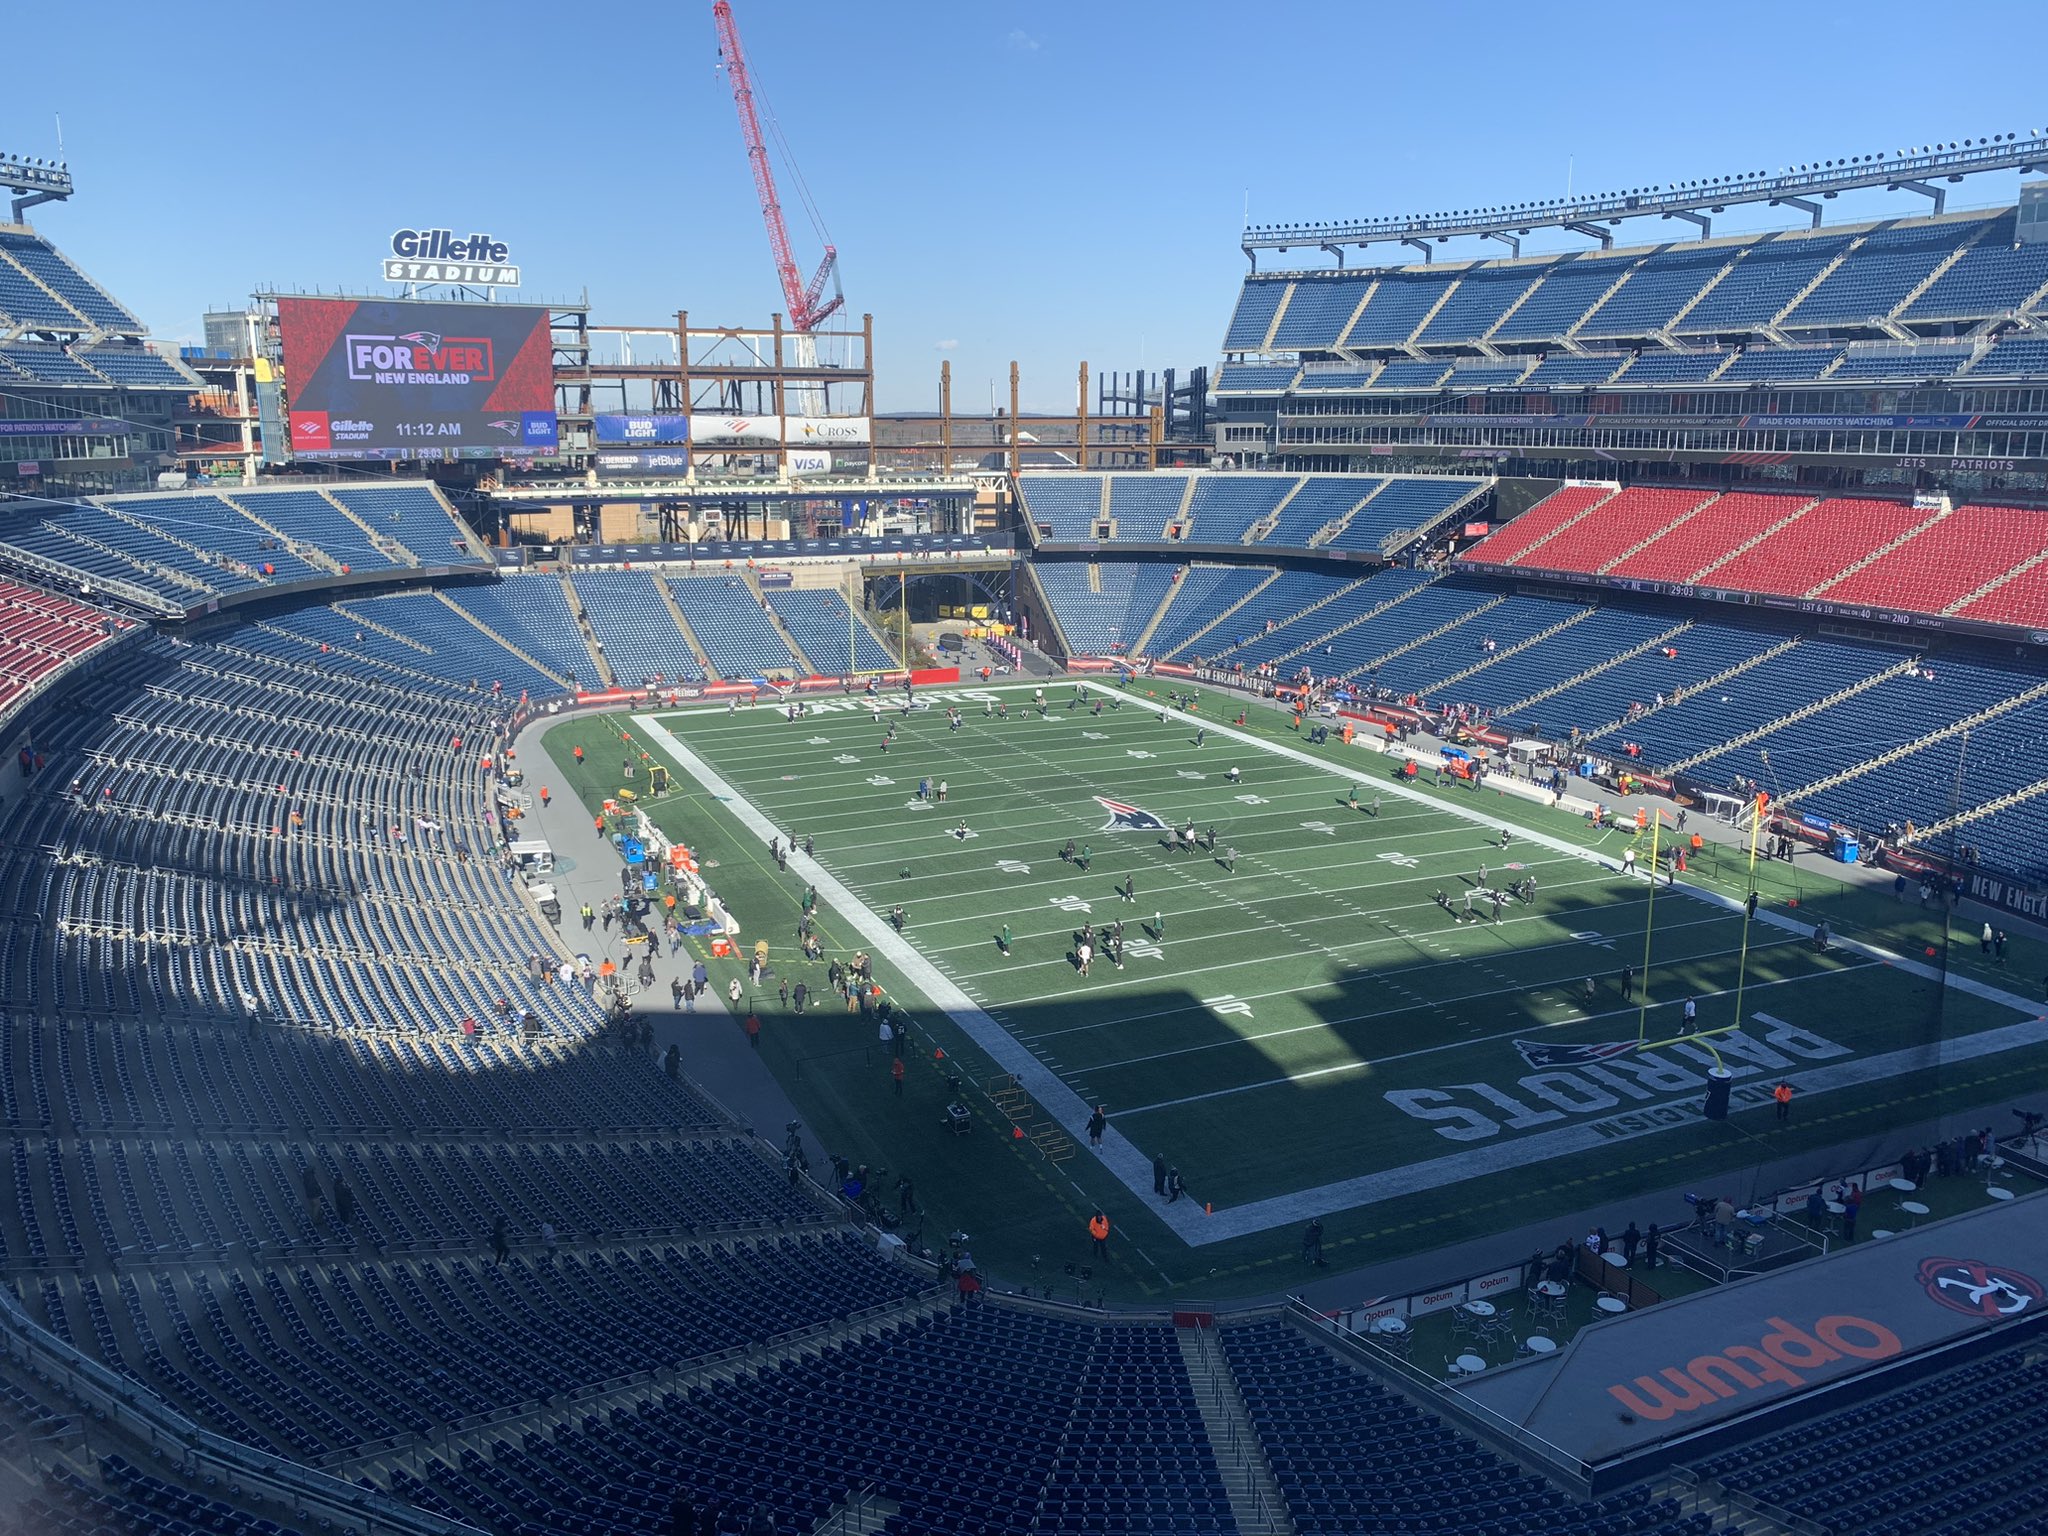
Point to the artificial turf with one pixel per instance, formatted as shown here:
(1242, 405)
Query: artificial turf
(1307, 1030)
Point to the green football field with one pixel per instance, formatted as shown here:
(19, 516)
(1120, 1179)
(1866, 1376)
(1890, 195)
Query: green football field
(1306, 1029)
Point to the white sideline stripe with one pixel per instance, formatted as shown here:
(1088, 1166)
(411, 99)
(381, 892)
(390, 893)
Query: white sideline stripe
(1125, 1162)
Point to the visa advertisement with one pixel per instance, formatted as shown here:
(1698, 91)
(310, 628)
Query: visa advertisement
(397, 379)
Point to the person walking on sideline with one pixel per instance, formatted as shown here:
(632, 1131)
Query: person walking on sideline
(1098, 1235)
(1097, 1123)
(1783, 1095)
(896, 1074)
(1158, 1174)
(1312, 1243)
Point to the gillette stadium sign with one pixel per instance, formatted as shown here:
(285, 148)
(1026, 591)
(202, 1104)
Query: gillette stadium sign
(442, 256)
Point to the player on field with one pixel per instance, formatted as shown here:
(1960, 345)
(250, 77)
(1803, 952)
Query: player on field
(1235, 776)
(1003, 939)
(1129, 889)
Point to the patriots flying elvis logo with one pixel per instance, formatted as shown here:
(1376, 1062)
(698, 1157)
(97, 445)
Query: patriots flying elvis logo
(1538, 1053)
(1128, 818)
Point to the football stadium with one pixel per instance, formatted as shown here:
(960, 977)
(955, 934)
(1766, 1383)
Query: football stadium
(1435, 923)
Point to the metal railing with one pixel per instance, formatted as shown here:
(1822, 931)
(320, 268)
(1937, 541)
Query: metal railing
(202, 1457)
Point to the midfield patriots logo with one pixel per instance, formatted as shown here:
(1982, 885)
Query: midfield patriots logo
(1128, 818)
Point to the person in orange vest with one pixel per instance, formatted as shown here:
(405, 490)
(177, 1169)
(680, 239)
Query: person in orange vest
(600, 826)
(579, 754)
(1783, 1094)
(1098, 1234)
(543, 797)
(753, 1029)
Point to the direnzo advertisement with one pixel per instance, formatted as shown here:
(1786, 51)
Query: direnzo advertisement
(397, 379)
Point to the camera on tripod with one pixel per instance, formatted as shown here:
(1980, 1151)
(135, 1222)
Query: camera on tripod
(2031, 1119)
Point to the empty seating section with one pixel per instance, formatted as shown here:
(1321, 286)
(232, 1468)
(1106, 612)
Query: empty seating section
(1888, 265)
(458, 650)
(1764, 365)
(1226, 507)
(1142, 505)
(1681, 664)
(1943, 564)
(1257, 302)
(1200, 597)
(95, 540)
(1962, 1451)
(1065, 507)
(2022, 600)
(1816, 545)
(1412, 373)
(1521, 536)
(1321, 500)
(415, 517)
(1359, 650)
(1767, 278)
(1593, 641)
(1317, 311)
(1668, 368)
(1930, 360)
(831, 637)
(1322, 376)
(1809, 672)
(1475, 306)
(1396, 307)
(1254, 378)
(1656, 291)
(41, 633)
(1895, 712)
(1991, 277)
(634, 624)
(532, 614)
(1564, 370)
(1485, 375)
(1725, 524)
(24, 300)
(2013, 357)
(1102, 610)
(46, 364)
(1354, 1457)
(732, 626)
(1260, 629)
(135, 366)
(210, 523)
(1618, 524)
(69, 284)
(1409, 504)
(310, 516)
(1567, 292)
(1504, 625)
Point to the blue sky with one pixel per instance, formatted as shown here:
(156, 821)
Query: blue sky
(1049, 183)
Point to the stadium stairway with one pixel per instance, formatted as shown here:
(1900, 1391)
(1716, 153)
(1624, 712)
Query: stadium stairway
(505, 640)
(1994, 583)
(1792, 515)
(675, 612)
(1575, 503)
(1258, 531)
(1584, 613)
(1876, 554)
(1256, 1502)
(211, 557)
(775, 622)
(393, 547)
(1907, 749)
(1375, 662)
(1139, 646)
(1508, 711)
(1705, 683)
(307, 551)
(1978, 812)
(1906, 664)
(1684, 517)
(354, 617)
(1223, 615)
(1827, 271)
(598, 660)
(1323, 602)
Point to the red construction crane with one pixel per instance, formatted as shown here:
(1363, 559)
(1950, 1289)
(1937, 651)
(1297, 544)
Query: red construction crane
(806, 312)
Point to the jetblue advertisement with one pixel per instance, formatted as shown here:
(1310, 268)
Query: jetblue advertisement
(396, 379)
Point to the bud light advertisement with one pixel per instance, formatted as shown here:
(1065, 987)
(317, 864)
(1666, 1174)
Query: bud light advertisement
(397, 379)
